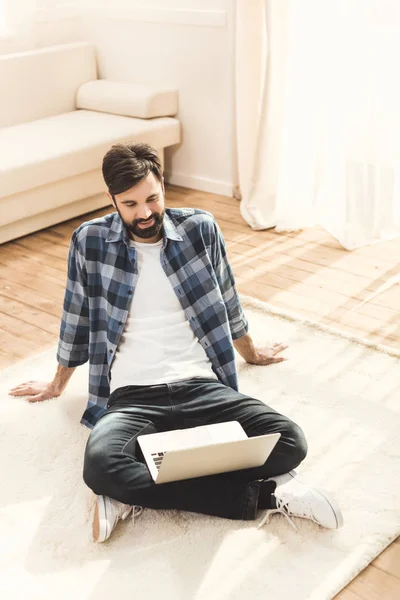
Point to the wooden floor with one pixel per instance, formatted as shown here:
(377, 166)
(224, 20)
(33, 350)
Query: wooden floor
(306, 272)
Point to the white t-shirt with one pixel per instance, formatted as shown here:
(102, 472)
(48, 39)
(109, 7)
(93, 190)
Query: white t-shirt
(157, 344)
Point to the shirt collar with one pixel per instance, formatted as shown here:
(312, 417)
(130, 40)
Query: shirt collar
(118, 231)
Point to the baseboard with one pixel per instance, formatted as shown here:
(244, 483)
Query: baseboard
(203, 184)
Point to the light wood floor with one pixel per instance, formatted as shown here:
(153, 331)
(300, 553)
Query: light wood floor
(306, 272)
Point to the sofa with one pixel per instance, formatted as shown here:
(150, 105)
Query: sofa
(57, 120)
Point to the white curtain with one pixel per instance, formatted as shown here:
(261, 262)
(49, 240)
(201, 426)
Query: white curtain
(318, 116)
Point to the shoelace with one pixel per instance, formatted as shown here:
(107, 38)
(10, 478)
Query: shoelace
(282, 507)
(137, 510)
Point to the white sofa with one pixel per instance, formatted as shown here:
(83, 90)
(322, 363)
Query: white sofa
(57, 120)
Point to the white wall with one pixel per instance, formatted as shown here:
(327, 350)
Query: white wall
(187, 44)
(39, 23)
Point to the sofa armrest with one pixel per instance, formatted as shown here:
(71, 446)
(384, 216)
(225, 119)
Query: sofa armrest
(127, 99)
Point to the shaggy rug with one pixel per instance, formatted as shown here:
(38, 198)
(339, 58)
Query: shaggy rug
(345, 395)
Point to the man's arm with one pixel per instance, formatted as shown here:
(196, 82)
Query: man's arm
(74, 334)
(246, 348)
(61, 378)
(237, 320)
(226, 281)
(73, 345)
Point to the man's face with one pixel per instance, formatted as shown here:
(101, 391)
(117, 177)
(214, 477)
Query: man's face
(144, 202)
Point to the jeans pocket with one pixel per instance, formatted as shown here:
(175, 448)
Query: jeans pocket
(111, 400)
(132, 447)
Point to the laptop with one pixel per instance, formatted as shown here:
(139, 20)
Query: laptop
(204, 450)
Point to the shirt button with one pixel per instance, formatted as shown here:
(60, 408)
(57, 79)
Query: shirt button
(129, 292)
(119, 322)
(110, 351)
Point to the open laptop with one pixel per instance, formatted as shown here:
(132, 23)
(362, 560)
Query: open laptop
(204, 450)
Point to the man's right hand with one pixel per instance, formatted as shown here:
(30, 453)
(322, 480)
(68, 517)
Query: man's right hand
(37, 391)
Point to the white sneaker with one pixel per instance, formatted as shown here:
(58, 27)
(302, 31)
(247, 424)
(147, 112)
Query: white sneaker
(299, 500)
(107, 513)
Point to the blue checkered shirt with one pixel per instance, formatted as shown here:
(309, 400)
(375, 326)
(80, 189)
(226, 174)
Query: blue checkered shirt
(102, 276)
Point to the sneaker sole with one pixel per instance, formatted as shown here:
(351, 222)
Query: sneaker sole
(332, 503)
(100, 523)
(334, 506)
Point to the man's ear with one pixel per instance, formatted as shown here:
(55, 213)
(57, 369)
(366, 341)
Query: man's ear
(163, 185)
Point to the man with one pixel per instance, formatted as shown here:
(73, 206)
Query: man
(151, 302)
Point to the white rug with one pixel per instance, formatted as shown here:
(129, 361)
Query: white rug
(344, 394)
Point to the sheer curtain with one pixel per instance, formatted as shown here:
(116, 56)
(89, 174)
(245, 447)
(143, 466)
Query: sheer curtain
(317, 116)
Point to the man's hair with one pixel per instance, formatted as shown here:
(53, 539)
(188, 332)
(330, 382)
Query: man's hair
(125, 165)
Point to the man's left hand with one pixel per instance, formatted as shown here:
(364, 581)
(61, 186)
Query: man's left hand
(268, 355)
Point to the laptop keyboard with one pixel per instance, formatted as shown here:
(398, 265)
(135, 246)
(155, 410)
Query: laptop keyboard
(158, 458)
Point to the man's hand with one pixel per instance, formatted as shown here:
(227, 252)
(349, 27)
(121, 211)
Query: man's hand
(38, 391)
(258, 356)
(268, 355)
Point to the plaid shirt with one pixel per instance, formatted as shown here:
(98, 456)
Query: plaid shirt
(102, 276)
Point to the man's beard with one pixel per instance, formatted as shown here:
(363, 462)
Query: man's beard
(146, 232)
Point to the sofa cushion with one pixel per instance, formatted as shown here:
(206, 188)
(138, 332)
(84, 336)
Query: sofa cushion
(46, 150)
(127, 99)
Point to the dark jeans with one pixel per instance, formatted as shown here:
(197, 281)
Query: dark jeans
(114, 465)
